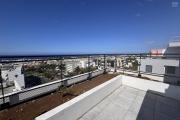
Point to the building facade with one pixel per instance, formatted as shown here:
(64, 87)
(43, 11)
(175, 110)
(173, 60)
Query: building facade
(12, 76)
(165, 64)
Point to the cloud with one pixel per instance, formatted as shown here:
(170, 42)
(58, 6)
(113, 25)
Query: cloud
(175, 4)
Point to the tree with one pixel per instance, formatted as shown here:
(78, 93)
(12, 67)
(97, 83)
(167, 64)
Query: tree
(78, 70)
(62, 69)
(135, 65)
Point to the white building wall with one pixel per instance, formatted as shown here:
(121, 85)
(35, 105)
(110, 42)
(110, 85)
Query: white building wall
(158, 67)
(83, 64)
(13, 76)
(174, 44)
(19, 82)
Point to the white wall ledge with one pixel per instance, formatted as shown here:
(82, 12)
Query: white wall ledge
(78, 106)
(82, 103)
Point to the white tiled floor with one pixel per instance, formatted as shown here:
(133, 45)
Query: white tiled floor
(131, 104)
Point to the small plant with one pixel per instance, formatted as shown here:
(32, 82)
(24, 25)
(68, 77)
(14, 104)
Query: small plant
(62, 88)
(66, 91)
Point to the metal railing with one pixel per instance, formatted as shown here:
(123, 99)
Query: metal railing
(28, 93)
(131, 64)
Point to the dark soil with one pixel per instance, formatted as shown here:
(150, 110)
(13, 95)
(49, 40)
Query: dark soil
(31, 109)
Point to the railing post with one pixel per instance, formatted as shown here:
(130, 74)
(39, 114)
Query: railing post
(139, 66)
(115, 64)
(104, 64)
(1, 80)
(89, 70)
(98, 62)
(61, 65)
(123, 64)
(64, 82)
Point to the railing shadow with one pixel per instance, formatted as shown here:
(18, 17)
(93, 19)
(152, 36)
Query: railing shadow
(157, 106)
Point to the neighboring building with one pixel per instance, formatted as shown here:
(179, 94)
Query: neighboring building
(55, 62)
(164, 64)
(12, 76)
(119, 62)
(157, 52)
(71, 64)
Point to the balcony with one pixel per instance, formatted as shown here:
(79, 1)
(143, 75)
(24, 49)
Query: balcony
(123, 86)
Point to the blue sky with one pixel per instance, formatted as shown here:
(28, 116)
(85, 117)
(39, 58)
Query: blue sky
(87, 26)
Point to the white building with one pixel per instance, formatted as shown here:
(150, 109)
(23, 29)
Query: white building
(12, 75)
(164, 64)
(71, 64)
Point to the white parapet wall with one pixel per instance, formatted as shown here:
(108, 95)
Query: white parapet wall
(143, 84)
(81, 104)
(75, 108)
(29, 93)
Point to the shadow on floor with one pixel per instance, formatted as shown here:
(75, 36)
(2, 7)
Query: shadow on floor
(156, 106)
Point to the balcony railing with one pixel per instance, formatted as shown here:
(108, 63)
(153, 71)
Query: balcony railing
(71, 69)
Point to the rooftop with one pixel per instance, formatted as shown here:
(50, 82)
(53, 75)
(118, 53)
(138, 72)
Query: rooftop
(122, 98)
(112, 92)
(174, 43)
(128, 103)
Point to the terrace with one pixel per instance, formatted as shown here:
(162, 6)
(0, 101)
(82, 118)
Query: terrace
(121, 99)
(113, 91)
(127, 103)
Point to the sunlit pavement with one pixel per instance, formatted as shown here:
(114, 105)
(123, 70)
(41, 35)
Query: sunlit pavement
(127, 103)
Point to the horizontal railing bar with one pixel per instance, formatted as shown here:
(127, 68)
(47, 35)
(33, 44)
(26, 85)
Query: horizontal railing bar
(72, 55)
(29, 58)
(51, 83)
(153, 74)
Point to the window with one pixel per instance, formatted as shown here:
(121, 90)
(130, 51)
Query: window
(170, 69)
(149, 68)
